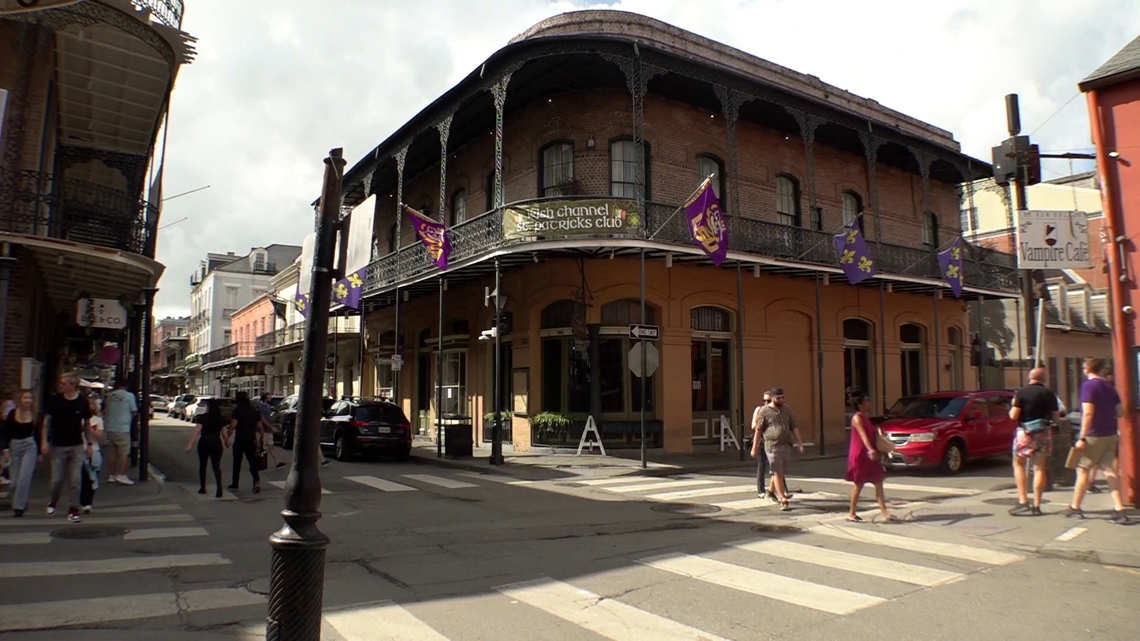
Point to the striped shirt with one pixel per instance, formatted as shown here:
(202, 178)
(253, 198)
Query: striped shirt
(776, 426)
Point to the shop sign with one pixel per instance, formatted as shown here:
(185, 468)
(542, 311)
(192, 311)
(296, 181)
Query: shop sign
(1053, 240)
(105, 313)
(569, 218)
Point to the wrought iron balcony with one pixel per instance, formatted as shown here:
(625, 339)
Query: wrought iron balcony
(283, 337)
(241, 349)
(168, 12)
(45, 205)
(983, 268)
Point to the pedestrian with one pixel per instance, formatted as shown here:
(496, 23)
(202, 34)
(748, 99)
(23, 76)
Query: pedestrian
(265, 411)
(244, 432)
(93, 461)
(208, 431)
(761, 461)
(19, 448)
(62, 437)
(9, 404)
(864, 461)
(1034, 409)
(779, 430)
(1098, 440)
(121, 413)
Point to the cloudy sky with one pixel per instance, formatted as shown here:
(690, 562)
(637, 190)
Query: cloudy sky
(277, 83)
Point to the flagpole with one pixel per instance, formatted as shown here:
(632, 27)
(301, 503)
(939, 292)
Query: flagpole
(690, 197)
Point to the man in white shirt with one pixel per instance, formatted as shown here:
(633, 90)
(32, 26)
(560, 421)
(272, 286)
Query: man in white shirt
(119, 415)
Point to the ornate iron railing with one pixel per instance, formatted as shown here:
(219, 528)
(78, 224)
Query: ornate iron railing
(45, 205)
(168, 12)
(983, 268)
(285, 336)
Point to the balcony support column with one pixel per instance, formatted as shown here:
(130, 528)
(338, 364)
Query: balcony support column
(401, 158)
(871, 144)
(808, 124)
(924, 161)
(6, 261)
(145, 339)
(498, 91)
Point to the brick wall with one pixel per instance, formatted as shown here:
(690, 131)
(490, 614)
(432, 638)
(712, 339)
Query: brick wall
(29, 319)
(36, 110)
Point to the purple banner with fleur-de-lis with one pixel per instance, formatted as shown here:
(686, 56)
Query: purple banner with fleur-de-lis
(301, 302)
(348, 291)
(854, 258)
(950, 261)
(433, 235)
(707, 226)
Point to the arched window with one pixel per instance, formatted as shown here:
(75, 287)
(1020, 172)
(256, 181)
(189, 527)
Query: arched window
(852, 208)
(856, 329)
(556, 170)
(710, 165)
(623, 168)
(930, 229)
(565, 366)
(710, 319)
(625, 312)
(460, 326)
(458, 206)
(621, 390)
(858, 371)
(788, 201)
(912, 338)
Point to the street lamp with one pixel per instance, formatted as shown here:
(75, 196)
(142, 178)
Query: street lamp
(297, 575)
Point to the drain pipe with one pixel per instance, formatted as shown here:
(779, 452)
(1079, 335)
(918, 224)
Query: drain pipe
(6, 261)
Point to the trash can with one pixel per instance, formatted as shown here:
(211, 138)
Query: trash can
(457, 439)
(1062, 443)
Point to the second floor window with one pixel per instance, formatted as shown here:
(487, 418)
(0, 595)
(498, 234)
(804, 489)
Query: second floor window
(968, 219)
(391, 239)
(788, 201)
(623, 169)
(557, 168)
(711, 166)
(232, 294)
(458, 206)
(930, 229)
(852, 208)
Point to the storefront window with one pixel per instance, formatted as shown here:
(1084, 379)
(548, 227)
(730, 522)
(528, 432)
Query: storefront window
(454, 383)
(385, 380)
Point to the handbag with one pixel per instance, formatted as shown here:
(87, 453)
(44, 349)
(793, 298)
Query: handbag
(884, 444)
(262, 460)
(1072, 459)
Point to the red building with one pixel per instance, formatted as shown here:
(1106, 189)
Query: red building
(1113, 93)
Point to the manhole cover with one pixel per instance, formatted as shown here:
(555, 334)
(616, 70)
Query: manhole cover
(685, 508)
(1010, 501)
(772, 528)
(88, 532)
(258, 586)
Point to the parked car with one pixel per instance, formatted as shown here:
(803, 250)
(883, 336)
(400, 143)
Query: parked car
(158, 403)
(198, 407)
(354, 427)
(285, 419)
(177, 409)
(948, 429)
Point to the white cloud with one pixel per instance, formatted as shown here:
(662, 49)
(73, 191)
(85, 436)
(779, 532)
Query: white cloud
(279, 82)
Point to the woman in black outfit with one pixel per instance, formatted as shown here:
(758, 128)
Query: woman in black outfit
(245, 430)
(208, 431)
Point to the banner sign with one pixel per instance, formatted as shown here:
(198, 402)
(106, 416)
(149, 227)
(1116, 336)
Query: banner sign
(854, 258)
(707, 227)
(950, 263)
(1053, 240)
(569, 218)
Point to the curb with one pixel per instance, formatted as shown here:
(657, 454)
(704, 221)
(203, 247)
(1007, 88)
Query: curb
(468, 465)
(1107, 557)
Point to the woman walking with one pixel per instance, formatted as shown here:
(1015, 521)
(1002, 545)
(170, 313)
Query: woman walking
(20, 449)
(208, 432)
(864, 462)
(93, 459)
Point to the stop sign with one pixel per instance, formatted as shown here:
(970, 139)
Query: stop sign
(652, 358)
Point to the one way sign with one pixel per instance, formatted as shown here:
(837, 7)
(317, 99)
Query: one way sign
(644, 332)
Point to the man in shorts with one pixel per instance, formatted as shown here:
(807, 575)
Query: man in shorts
(119, 414)
(1098, 440)
(1034, 408)
(777, 426)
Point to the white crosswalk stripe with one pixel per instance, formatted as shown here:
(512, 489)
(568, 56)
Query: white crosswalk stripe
(925, 546)
(380, 484)
(661, 485)
(450, 484)
(872, 566)
(140, 522)
(281, 484)
(384, 621)
(56, 614)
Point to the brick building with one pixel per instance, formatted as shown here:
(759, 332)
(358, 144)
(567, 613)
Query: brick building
(169, 346)
(550, 121)
(84, 90)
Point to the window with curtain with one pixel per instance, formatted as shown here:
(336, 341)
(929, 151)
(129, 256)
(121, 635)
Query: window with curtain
(623, 169)
(707, 165)
(557, 170)
(788, 201)
(930, 229)
(385, 381)
(454, 383)
(458, 206)
(852, 208)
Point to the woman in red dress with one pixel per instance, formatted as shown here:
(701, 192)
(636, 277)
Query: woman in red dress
(864, 462)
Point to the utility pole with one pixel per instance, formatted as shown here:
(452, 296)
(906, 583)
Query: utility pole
(497, 428)
(297, 575)
(1021, 149)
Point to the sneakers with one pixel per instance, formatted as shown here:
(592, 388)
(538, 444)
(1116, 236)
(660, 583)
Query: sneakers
(73, 516)
(1020, 508)
(1120, 518)
(17, 513)
(122, 479)
(51, 509)
(1035, 510)
(87, 509)
(1074, 513)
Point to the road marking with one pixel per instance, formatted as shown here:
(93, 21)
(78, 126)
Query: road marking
(871, 566)
(164, 533)
(1071, 533)
(58, 614)
(903, 487)
(25, 538)
(746, 504)
(605, 617)
(659, 486)
(506, 480)
(380, 484)
(109, 566)
(926, 546)
(128, 509)
(764, 584)
(383, 621)
(61, 520)
(708, 491)
(281, 484)
(450, 484)
(616, 480)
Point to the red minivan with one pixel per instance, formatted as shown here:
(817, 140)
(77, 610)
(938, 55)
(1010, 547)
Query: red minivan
(948, 428)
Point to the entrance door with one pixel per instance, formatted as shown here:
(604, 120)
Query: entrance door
(711, 386)
(424, 389)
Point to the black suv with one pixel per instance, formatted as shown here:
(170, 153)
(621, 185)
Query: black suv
(285, 419)
(366, 426)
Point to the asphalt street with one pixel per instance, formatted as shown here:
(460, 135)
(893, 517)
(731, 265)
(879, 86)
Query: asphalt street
(422, 552)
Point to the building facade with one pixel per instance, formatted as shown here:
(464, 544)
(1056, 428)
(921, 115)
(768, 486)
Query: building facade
(169, 346)
(594, 128)
(223, 284)
(84, 91)
(1113, 93)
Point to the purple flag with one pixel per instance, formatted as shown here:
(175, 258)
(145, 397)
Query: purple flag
(707, 226)
(950, 261)
(347, 291)
(853, 255)
(433, 235)
(301, 302)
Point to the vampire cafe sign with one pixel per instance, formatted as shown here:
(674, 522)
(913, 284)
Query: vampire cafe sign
(568, 218)
(1053, 240)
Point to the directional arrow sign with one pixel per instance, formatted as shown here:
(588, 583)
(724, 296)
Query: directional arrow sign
(644, 332)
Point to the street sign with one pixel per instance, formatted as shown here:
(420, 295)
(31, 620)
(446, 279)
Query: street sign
(652, 358)
(1053, 240)
(644, 332)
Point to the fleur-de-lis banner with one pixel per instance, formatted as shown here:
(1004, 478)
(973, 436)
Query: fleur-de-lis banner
(707, 226)
(854, 258)
(433, 235)
(301, 302)
(950, 261)
(347, 291)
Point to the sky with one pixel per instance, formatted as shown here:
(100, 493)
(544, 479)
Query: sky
(277, 83)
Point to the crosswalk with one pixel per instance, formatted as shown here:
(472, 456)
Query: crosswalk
(138, 522)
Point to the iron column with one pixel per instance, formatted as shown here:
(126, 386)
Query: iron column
(144, 383)
(439, 376)
(740, 356)
(644, 463)
(819, 354)
(496, 429)
(297, 575)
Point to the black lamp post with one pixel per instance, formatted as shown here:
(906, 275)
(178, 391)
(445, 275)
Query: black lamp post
(496, 424)
(145, 340)
(297, 575)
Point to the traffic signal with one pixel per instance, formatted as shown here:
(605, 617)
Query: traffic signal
(1015, 155)
(505, 322)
